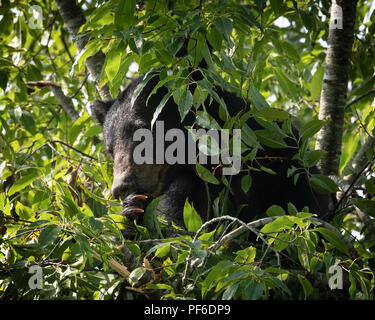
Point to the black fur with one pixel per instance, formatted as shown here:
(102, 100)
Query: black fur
(179, 182)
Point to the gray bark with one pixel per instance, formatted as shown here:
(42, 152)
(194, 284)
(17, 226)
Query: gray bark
(65, 102)
(334, 90)
(74, 19)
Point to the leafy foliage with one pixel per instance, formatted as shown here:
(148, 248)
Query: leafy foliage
(56, 210)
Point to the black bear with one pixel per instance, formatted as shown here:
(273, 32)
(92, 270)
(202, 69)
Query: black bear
(132, 182)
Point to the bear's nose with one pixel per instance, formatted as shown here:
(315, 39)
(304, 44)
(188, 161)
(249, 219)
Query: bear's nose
(119, 186)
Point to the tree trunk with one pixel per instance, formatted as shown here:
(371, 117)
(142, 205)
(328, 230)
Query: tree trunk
(74, 19)
(334, 90)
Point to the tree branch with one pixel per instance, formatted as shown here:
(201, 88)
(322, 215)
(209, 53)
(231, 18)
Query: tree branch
(65, 102)
(74, 19)
(257, 223)
(360, 98)
(334, 89)
(42, 84)
(61, 98)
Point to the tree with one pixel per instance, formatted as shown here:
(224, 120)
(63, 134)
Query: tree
(56, 209)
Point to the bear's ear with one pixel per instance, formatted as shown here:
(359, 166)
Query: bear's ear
(100, 108)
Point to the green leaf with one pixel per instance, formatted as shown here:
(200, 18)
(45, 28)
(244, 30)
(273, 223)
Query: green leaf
(281, 285)
(306, 19)
(268, 170)
(292, 210)
(270, 139)
(275, 210)
(159, 286)
(163, 251)
(160, 107)
(212, 277)
(334, 239)
(230, 291)
(310, 128)
(23, 183)
(277, 225)
(150, 217)
(312, 157)
(124, 15)
(215, 38)
(366, 205)
(246, 255)
(350, 147)
(290, 50)
(246, 182)
(192, 219)
(225, 26)
(167, 81)
(28, 249)
(353, 286)
(3, 79)
(248, 136)
(156, 247)
(369, 184)
(136, 275)
(93, 131)
(254, 290)
(140, 88)
(203, 49)
(257, 98)
(277, 7)
(206, 85)
(323, 184)
(112, 63)
(90, 49)
(272, 114)
(184, 99)
(205, 174)
(288, 87)
(199, 97)
(315, 85)
(205, 120)
(306, 285)
(282, 241)
(48, 235)
(208, 145)
(78, 127)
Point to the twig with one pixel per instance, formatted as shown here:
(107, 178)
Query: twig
(14, 219)
(362, 124)
(139, 291)
(42, 84)
(80, 87)
(360, 98)
(149, 241)
(263, 221)
(66, 48)
(59, 153)
(76, 150)
(214, 247)
(351, 186)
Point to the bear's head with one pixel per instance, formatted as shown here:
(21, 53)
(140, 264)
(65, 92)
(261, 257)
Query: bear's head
(120, 119)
